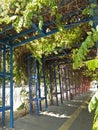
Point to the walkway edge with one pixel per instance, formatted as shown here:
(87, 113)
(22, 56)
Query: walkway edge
(69, 122)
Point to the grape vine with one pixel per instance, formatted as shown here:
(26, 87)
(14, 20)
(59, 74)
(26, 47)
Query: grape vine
(79, 55)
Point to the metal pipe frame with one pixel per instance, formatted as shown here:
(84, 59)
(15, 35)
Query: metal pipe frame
(36, 79)
(3, 86)
(65, 83)
(59, 77)
(45, 86)
(29, 84)
(11, 89)
(55, 83)
(48, 33)
(4, 75)
(50, 79)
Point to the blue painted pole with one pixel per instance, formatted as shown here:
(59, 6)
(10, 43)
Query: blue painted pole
(65, 83)
(3, 85)
(45, 87)
(72, 81)
(55, 84)
(68, 69)
(11, 88)
(50, 77)
(75, 84)
(79, 82)
(29, 83)
(82, 84)
(62, 80)
(60, 83)
(36, 85)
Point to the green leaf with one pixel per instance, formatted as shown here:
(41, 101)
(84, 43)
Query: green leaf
(91, 23)
(95, 36)
(93, 5)
(89, 33)
(40, 24)
(91, 12)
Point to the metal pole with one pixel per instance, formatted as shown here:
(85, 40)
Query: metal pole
(75, 83)
(29, 83)
(55, 84)
(60, 83)
(79, 82)
(51, 89)
(36, 85)
(65, 83)
(45, 87)
(11, 88)
(71, 82)
(3, 85)
(68, 79)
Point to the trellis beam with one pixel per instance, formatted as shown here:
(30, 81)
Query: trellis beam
(48, 33)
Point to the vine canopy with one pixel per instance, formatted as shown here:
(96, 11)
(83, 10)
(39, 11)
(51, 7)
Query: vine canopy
(25, 21)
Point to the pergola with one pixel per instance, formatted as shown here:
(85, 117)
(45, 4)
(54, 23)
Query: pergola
(10, 39)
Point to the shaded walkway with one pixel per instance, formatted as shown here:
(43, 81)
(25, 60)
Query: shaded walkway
(74, 112)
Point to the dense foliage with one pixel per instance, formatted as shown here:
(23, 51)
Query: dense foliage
(89, 42)
(21, 12)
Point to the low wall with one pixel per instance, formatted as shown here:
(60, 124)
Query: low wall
(17, 99)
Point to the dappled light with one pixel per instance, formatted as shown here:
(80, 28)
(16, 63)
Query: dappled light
(77, 100)
(57, 115)
(71, 105)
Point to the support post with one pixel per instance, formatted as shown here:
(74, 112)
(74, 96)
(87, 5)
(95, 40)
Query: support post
(51, 89)
(69, 81)
(36, 85)
(3, 85)
(29, 83)
(11, 88)
(60, 84)
(55, 84)
(65, 82)
(45, 87)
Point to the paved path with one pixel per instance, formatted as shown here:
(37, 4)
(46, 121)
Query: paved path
(71, 115)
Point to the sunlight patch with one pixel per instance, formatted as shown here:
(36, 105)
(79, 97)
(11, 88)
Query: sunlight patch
(54, 114)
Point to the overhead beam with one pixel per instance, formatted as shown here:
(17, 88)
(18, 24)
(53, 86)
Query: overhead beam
(3, 42)
(56, 56)
(26, 41)
(37, 29)
(22, 33)
(7, 28)
(49, 33)
(27, 31)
